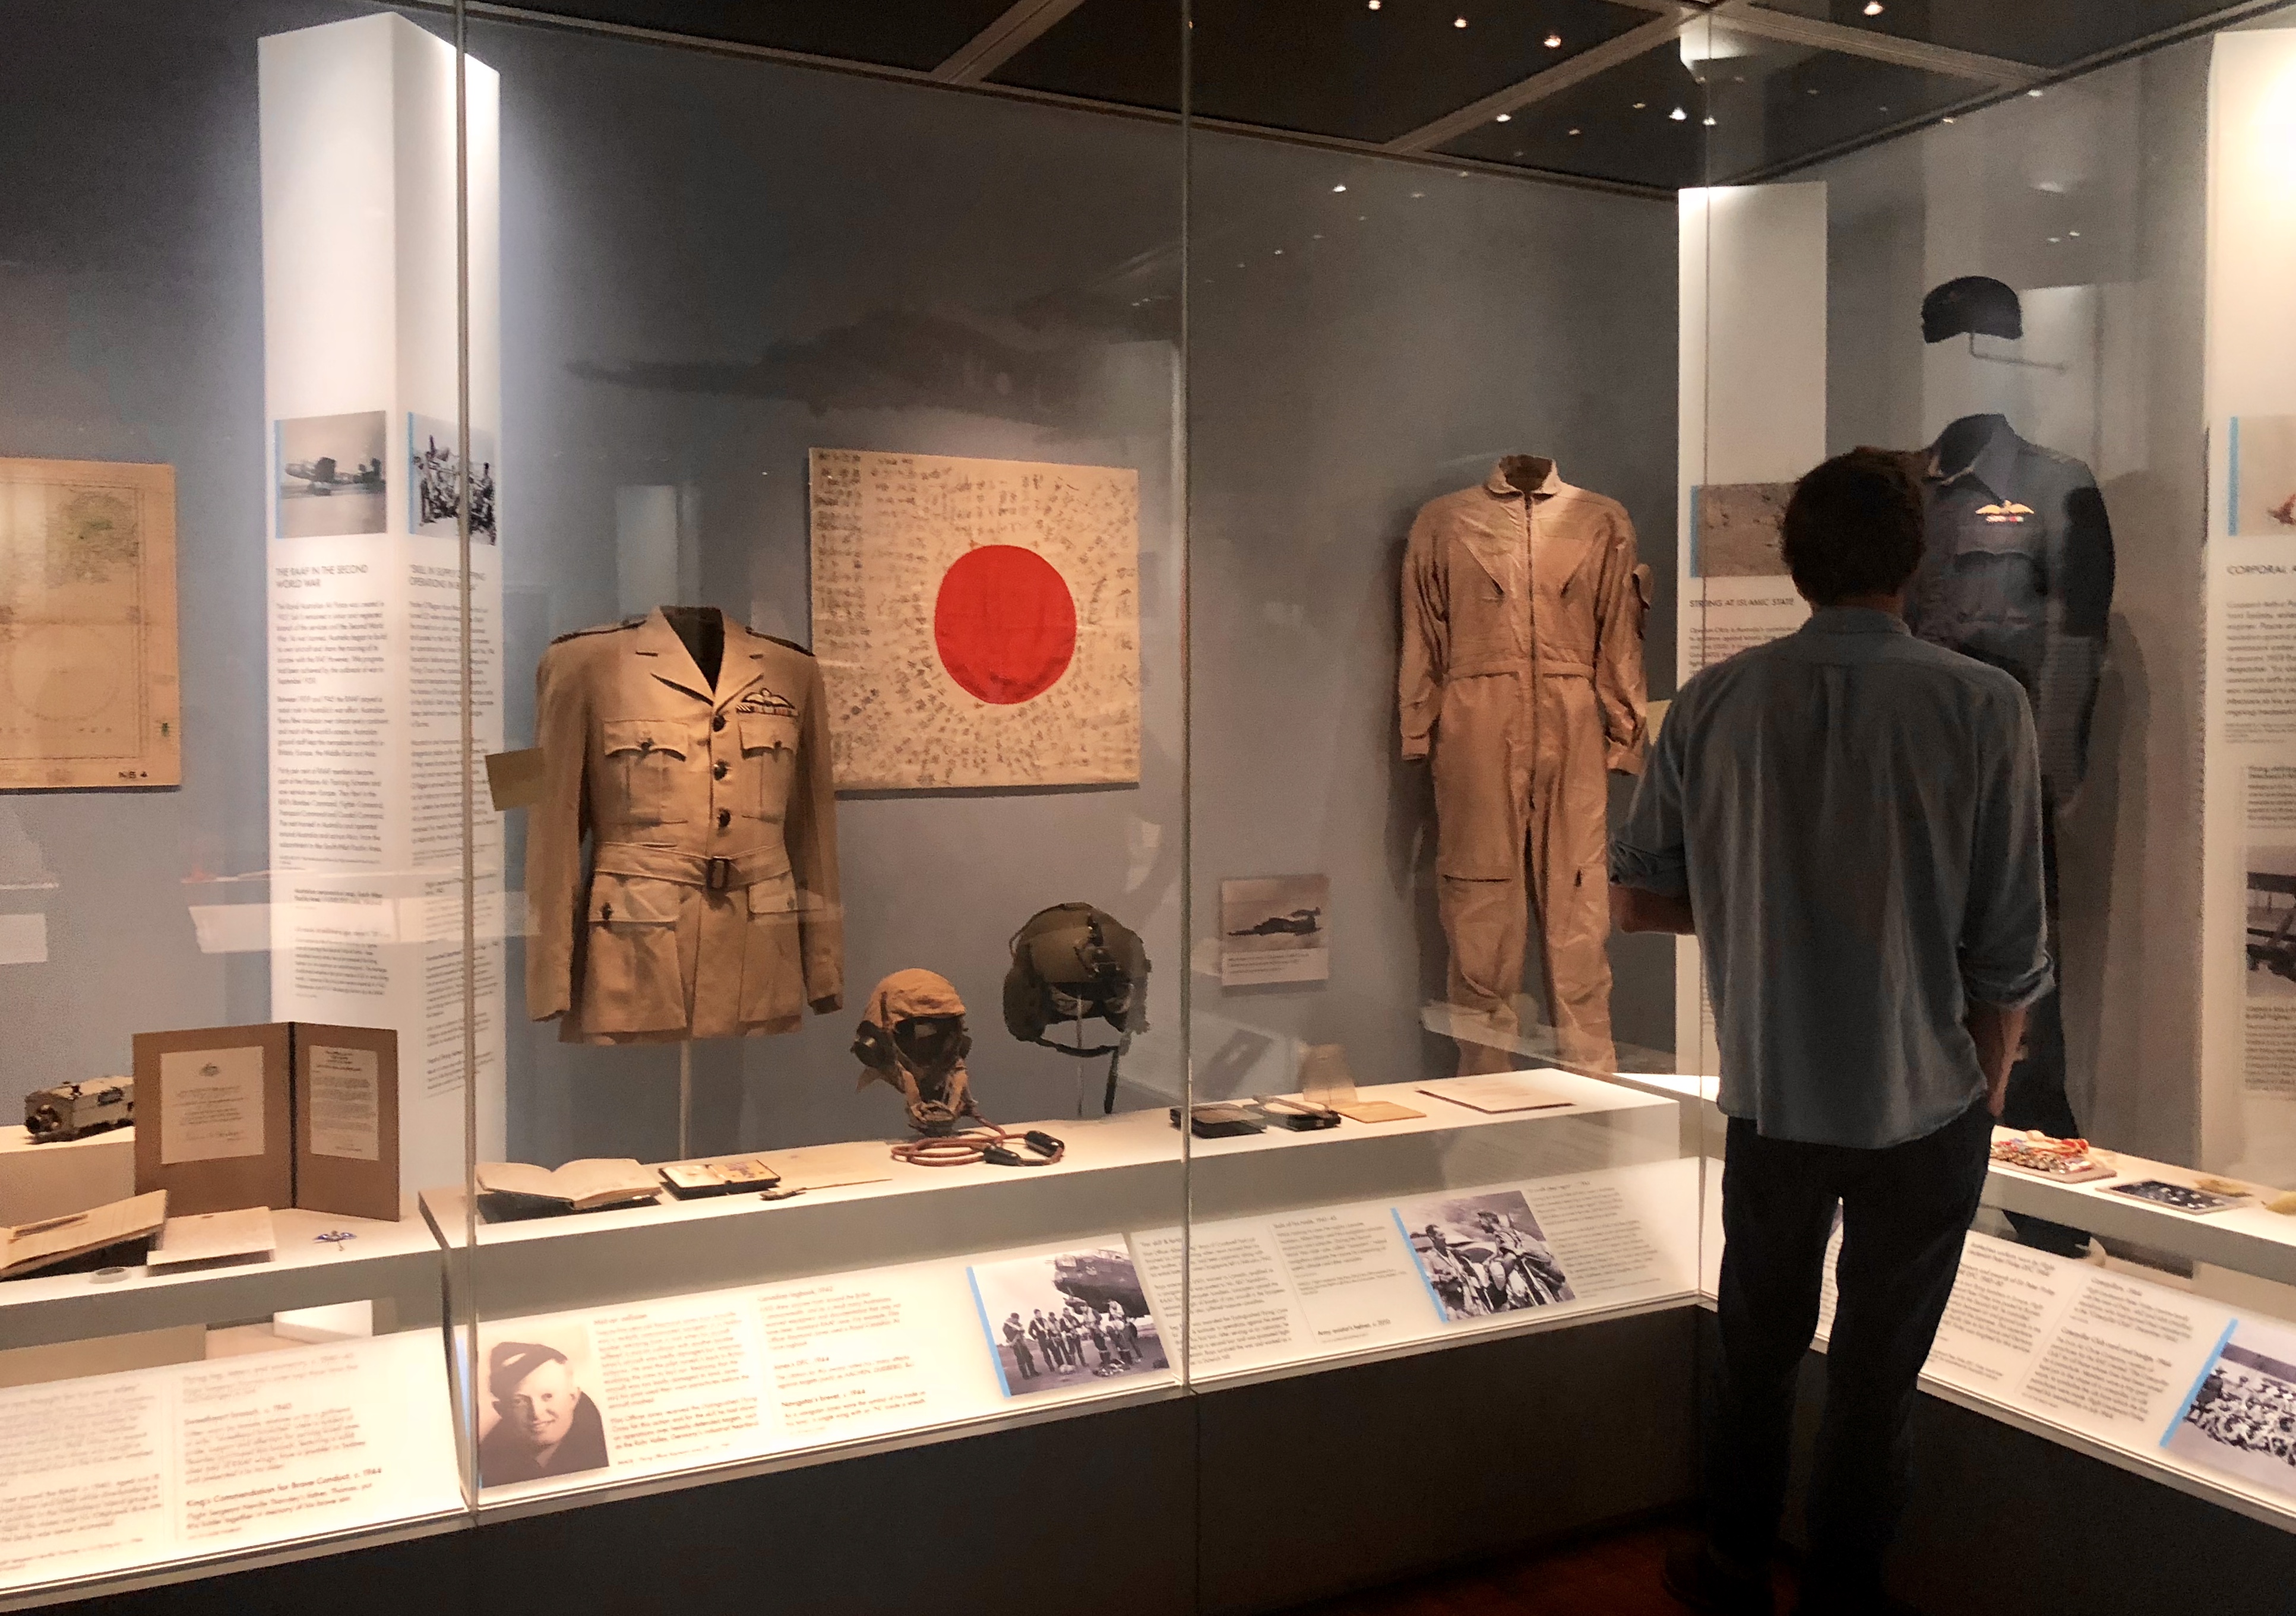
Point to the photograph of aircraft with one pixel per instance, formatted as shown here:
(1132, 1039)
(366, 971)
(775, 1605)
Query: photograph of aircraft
(330, 478)
(323, 476)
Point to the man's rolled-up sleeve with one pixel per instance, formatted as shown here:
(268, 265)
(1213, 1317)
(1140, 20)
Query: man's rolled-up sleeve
(2004, 945)
(1648, 852)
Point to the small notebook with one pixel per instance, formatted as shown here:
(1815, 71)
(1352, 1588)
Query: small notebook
(690, 1179)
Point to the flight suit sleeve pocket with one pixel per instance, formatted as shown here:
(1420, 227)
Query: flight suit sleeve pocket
(631, 980)
(769, 755)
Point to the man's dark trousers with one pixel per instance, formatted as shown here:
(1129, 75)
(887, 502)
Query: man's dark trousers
(1903, 1211)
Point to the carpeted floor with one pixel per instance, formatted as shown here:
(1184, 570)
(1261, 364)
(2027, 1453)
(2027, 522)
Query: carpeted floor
(1615, 1575)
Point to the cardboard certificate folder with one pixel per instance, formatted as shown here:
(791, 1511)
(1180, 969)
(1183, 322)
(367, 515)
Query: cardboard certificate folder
(213, 1117)
(292, 1114)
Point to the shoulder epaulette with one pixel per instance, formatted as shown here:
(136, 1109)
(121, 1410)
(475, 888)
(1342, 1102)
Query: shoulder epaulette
(628, 622)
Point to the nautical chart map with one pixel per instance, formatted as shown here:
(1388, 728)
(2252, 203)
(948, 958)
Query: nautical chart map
(977, 622)
(88, 693)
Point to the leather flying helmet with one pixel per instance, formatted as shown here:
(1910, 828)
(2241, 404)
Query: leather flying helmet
(914, 1039)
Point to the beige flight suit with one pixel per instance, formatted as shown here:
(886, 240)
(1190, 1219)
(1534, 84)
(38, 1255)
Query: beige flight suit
(710, 908)
(1523, 677)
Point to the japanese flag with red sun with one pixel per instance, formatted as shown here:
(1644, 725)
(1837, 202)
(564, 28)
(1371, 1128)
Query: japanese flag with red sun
(977, 622)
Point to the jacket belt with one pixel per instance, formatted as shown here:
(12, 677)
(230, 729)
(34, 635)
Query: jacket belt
(1547, 662)
(715, 874)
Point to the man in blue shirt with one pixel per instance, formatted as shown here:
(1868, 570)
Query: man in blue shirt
(1849, 820)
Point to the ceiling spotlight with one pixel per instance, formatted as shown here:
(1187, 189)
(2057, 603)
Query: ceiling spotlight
(2035, 94)
(1678, 115)
(1338, 188)
(1574, 131)
(2074, 233)
(1372, 3)
(1458, 22)
(1709, 120)
(1555, 42)
(1944, 121)
(1873, 8)
(1506, 118)
(1640, 105)
(2054, 240)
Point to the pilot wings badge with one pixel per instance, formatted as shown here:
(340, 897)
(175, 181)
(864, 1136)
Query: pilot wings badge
(763, 701)
(2006, 511)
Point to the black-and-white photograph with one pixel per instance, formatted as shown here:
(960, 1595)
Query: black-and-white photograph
(434, 480)
(1275, 929)
(2242, 1418)
(539, 1413)
(1482, 1255)
(331, 480)
(2176, 1197)
(2272, 922)
(1067, 1321)
(1738, 529)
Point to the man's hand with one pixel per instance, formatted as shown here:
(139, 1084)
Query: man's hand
(1633, 909)
(1996, 1031)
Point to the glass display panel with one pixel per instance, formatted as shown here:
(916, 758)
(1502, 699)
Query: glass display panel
(235, 869)
(842, 562)
(1431, 490)
(2051, 305)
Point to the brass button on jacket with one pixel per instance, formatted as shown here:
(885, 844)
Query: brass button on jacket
(710, 906)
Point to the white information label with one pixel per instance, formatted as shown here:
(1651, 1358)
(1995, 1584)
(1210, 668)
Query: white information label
(211, 1104)
(346, 1103)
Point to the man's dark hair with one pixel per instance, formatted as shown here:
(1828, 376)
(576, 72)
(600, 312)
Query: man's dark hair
(1854, 527)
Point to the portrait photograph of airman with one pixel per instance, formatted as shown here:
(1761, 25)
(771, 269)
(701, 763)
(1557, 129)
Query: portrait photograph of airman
(536, 1420)
(1068, 1321)
(1482, 1255)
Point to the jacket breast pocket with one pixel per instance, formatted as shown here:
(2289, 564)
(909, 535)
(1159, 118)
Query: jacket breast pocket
(645, 761)
(631, 980)
(770, 756)
(773, 965)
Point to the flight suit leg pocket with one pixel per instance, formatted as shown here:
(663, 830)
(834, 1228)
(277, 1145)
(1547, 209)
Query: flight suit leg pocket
(631, 981)
(772, 964)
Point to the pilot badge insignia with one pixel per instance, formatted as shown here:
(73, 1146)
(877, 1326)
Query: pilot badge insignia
(764, 701)
(2006, 511)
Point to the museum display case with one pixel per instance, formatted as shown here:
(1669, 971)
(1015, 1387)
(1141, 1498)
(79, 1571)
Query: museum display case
(923, 740)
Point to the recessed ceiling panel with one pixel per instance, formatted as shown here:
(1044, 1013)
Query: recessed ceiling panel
(920, 34)
(1641, 123)
(2043, 33)
(1775, 103)
(1358, 70)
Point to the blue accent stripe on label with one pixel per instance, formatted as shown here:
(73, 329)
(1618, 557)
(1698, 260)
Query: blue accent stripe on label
(995, 1352)
(2199, 1381)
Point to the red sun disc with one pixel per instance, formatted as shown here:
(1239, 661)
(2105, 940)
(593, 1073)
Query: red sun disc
(1004, 624)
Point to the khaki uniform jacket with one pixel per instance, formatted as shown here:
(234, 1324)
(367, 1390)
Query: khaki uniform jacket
(1523, 642)
(709, 908)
